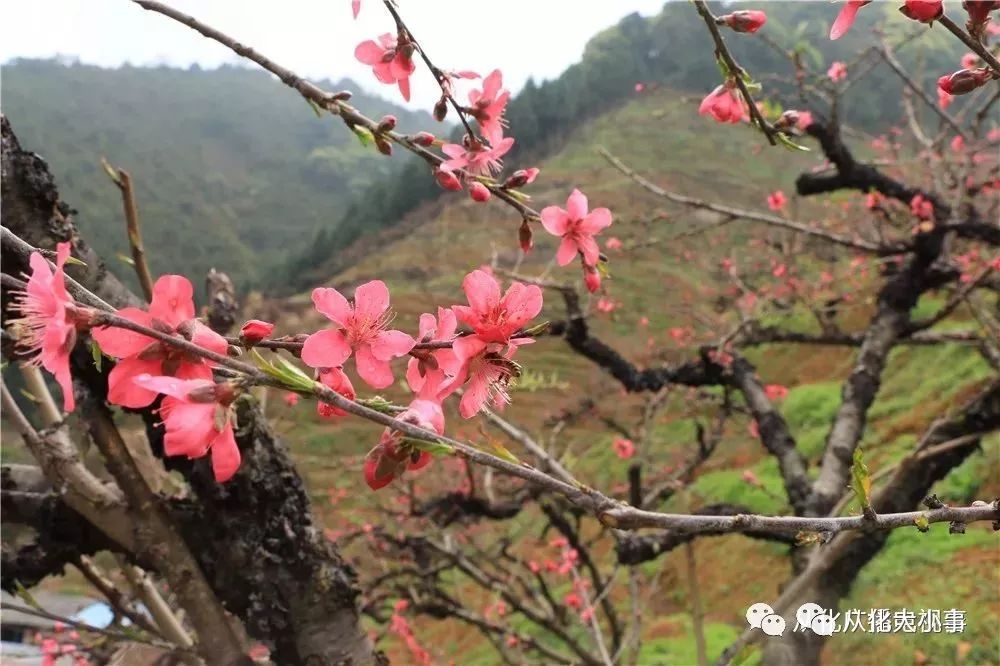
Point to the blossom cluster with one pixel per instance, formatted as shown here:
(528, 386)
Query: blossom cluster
(163, 350)
(727, 104)
(476, 162)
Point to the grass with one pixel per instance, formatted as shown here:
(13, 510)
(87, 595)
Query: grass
(667, 282)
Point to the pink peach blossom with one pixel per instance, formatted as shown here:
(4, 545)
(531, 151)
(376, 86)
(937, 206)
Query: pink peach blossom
(487, 106)
(172, 311)
(477, 158)
(389, 61)
(47, 325)
(837, 71)
(624, 448)
(391, 456)
(336, 380)
(362, 330)
(576, 227)
(846, 18)
(725, 104)
(426, 374)
(492, 318)
(776, 200)
(196, 416)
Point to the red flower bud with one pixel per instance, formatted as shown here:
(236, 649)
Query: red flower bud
(383, 146)
(964, 81)
(524, 237)
(387, 124)
(448, 180)
(979, 10)
(479, 192)
(592, 278)
(255, 330)
(425, 139)
(441, 109)
(745, 20)
(520, 178)
(925, 11)
(787, 120)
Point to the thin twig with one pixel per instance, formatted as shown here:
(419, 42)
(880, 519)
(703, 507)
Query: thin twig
(123, 180)
(773, 220)
(735, 71)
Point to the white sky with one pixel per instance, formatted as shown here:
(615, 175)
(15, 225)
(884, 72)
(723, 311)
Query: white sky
(316, 38)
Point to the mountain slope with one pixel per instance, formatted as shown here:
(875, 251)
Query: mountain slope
(668, 274)
(230, 167)
(670, 49)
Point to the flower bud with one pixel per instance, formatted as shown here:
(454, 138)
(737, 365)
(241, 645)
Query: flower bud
(925, 11)
(479, 192)
(520, 178)
(448, 180)
(524, 237)
(441, 109)
(592, 278)
(383, 146)
(787, 120)
(255, 330)
(964, 81)
(387, 124)
(425, 139)
(745, 20)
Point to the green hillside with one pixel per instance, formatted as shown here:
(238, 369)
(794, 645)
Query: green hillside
(230, 168)
(669, 50)
(662, 274)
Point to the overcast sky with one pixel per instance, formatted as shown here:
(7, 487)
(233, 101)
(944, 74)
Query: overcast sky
(316, 38)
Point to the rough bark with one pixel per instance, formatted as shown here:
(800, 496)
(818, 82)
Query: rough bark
(255, 537)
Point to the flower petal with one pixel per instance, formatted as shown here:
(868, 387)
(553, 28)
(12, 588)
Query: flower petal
(190, 427)
(172, 386)
(591, 252)
(467, 347)
(119, 342)
(567, 251)
(371, 299)
(326, 349)
(598, 219)
(576, 205)
(555, 220)
(225, 454)
(523, 303)
(332, 304)
(208, 339)
(391, 344)
(482, 290)
(122, 390)
(477, 391)
(376, 373)
(369, 52)
(173, 300)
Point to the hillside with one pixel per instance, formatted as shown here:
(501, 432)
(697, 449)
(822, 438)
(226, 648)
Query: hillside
(666, 50)
(230, 168)
(664, 276)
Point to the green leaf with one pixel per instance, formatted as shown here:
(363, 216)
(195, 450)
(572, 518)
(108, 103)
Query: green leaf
(364, 135)
(286, 373)
(26, 596)
(861, 480)
(501, 451)
(95, 353)
(315, 107)
(788, 143)
(435, 448)
(124, 259)
(922, 523)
